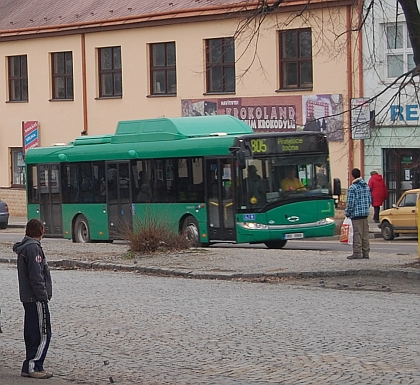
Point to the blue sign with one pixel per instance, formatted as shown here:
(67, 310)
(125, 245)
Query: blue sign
(249, 217)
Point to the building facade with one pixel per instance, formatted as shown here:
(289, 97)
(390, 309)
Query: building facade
(393, 148)
(77, 69)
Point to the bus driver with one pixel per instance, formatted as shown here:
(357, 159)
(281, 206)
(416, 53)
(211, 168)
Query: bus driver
(290, 182)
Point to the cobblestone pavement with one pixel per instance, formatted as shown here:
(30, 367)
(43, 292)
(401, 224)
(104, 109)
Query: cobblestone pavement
(129, 328)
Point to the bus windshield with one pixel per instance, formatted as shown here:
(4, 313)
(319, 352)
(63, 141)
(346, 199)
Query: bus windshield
(276, 180)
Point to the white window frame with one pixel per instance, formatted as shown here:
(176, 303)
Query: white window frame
(405, 51)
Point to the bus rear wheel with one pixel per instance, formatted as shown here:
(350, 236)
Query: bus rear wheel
(191, 231)
(81, 232)
(276, 244)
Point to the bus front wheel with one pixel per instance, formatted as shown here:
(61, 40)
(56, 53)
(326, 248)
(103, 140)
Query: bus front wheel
(276, 244)
(191, 231)
(81, 230)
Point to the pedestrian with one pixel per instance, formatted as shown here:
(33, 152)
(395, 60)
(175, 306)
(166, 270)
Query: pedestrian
(357, 209)
(379, 193)
(35, 290)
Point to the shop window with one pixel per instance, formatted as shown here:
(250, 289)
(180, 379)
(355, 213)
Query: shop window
(398, 50)
(110, 72)
(220, 65)
(296, 59)
(163, 69)
(18, 167)
(18, 78)
(62, 75)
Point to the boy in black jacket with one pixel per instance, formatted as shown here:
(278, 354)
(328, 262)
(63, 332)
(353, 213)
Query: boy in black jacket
(35, 290)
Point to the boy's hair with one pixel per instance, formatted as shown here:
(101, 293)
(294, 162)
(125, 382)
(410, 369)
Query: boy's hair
(356, 173)
(34, 228)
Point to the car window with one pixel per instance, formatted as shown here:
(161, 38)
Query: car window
(409, 200)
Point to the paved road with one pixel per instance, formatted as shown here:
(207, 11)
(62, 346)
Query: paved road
(157, 330)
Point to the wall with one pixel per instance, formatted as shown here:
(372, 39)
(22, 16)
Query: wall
(256, 70)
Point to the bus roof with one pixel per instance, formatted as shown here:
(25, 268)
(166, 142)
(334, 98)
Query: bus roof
(151, 138)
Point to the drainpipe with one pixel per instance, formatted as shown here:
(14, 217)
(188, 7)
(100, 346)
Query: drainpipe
(349, 94)
(361, 90)
(84, 90)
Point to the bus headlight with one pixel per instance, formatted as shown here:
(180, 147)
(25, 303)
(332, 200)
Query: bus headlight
(253, 226)
(325, 221)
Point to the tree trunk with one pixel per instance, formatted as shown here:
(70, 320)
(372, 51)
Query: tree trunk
(412, 17)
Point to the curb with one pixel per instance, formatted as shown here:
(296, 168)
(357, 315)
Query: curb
(407, 273)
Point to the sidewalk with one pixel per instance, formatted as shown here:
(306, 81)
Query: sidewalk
(12, 377)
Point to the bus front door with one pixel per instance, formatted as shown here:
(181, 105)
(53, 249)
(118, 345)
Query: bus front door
(120, 217)
(50, 199)
(220, 203)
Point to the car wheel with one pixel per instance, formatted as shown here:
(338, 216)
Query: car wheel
(191, 231)
(387, 231)
(81, 232)
(276, 244)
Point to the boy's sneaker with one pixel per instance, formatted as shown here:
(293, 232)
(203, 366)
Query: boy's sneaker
(40, 375)
(47, 374)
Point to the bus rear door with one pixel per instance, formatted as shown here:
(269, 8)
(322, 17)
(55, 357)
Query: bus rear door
(50, 199)
(120, 217)
(220, 204)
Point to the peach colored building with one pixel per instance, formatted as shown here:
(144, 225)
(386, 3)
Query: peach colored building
(72, 68)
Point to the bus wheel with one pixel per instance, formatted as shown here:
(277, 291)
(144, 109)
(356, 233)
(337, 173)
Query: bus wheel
(191, 231)
(81, 230)
(275, 244)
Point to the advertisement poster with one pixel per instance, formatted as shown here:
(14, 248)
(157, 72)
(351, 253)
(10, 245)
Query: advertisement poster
(263, 114)
(324, 113)
(276, 113)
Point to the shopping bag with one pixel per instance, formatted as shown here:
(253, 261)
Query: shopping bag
(346, 232)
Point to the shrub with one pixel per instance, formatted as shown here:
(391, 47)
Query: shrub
(151, 235)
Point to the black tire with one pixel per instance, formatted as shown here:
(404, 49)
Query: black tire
(191, 231)
(276, 244)
(387, 231)
(81, 231)
(3, 225)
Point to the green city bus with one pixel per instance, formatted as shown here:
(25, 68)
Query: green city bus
(210, 177)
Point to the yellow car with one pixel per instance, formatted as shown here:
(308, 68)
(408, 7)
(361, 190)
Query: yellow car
(401, 218)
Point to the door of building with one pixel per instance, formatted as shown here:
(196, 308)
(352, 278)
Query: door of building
(402, 172)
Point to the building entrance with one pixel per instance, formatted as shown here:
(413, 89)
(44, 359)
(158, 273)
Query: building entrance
(402, 172)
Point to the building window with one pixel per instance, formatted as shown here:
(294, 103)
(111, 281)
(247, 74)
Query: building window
(163, 68)
(18, 78)
(220, 65)
(296, 59)
(399, 54)
(110, 72)
(62, 75)
(18, 166)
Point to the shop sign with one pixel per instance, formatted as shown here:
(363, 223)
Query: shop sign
(30, 134)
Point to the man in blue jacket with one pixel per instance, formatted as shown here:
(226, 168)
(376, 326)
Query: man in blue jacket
(359, 200)
(35, 290)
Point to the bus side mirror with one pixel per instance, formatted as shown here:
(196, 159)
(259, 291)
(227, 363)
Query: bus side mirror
(337, 187)
(241, 159)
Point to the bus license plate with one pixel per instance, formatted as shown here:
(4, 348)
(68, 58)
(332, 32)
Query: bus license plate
(293, 236)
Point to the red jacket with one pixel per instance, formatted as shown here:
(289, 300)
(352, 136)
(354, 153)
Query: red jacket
(378, 189)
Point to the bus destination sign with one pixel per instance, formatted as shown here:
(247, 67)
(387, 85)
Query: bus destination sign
(284, 145)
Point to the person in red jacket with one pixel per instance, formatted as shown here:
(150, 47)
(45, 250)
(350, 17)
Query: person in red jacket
(379, 193)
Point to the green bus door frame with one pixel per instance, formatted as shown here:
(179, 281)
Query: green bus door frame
(119, 200)
(220, 203)
(50, 205)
